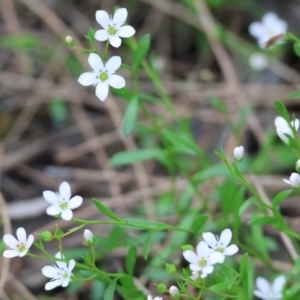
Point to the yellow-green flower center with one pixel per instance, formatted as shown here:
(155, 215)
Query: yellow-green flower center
(21, 247)
(63, 205)
(219, 249)
(112, 30)
(64, 275)
(202, 262)
(103, 76)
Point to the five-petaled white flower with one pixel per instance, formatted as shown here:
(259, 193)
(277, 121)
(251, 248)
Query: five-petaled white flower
(294, 180)
(113, 27)
(220, 245)
(20, 246)
(203, 261)
(283, 129)
(266, 291)
(61, 202)
(155, 298)
(60, 273)
(270, 27)
(258, 61)
(103, 75)
(238, 152)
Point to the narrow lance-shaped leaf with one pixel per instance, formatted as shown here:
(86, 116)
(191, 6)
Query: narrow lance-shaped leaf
(141, 51)
(130, 116)
(106, 211)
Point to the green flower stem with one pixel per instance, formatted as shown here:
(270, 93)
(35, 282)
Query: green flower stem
(106, 49)
(93, 256)
(69, 232)
(84, 279)
(126, 223)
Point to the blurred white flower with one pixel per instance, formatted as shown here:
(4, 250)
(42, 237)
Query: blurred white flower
(294, 180)
(61, 202)
(102, 75)
(283, 128)
(204, 260)
(173, 290)
(155, 298)
(20, 246)
(220, 245)
(113, 27)
(270, 27)
(258, 61)
(88, 237)
(195, 275)
(60, 273)
(238, 153)
(266, 291)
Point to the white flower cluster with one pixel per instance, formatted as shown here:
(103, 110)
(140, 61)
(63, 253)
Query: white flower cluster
(103, 75)
(211, 251)
(61, 204)
(266, 291)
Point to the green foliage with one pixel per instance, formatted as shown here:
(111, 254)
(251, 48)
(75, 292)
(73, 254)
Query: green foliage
(282, 111)
(20, 42)
(140, 52)
(130, 116)
(106, 211)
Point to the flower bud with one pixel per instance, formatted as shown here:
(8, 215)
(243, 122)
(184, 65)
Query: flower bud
(46, 236)
(70, 42)
(298, 166)
(88, 237)
(173, 290)
(238, 153)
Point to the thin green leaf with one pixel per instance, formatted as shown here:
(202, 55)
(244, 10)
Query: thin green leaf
(199, 222)
(130, 260)
(110, 290)
(106, 211)
(140, 52)
(281, 197)
(293, 95)
(130, 116)
(246, 204)
(297, 49)
(147, 245)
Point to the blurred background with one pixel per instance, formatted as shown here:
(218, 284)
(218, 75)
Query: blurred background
(52, 129)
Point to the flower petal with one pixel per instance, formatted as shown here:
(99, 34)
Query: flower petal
(65, 190)
(95, 62)
(256, 29)
(296, 124)
(11, 253)
(261, 295)
(21, 235)
(116, 81)
(101, 35)
(113, 64)
(52, 284)
(53, 210)
(225, 237)
(287, 181)
(190, 256)
(50, 196)
(10, 241)
(231, 250)
(203, 250)
(126, 31)
(87, 79)
(278, 284)
(263, 285)
(67, 214)
(66, 281)
(103, 18)
(208, 269)
(102, 91)
(120, 17)
(50, 272)
(280, 122)
(30, 241)
(71, 265)
(23, 253)
(115, 41)
(194, 268)
(214, 258)
(210, 239)
(75, 202)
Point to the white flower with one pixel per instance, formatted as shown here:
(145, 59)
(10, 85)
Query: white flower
(283, 128)
(258, 61)
(269, 27)
(88, 236)
(61, 202)
(220, 245)
(20, 246)
(294, 180)
(103, 75)
(195, 275)
(203, 260)
(155, 298)
(113, 27)
(173, 290)
(60, 273)
(266, 291)
(238, 153)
